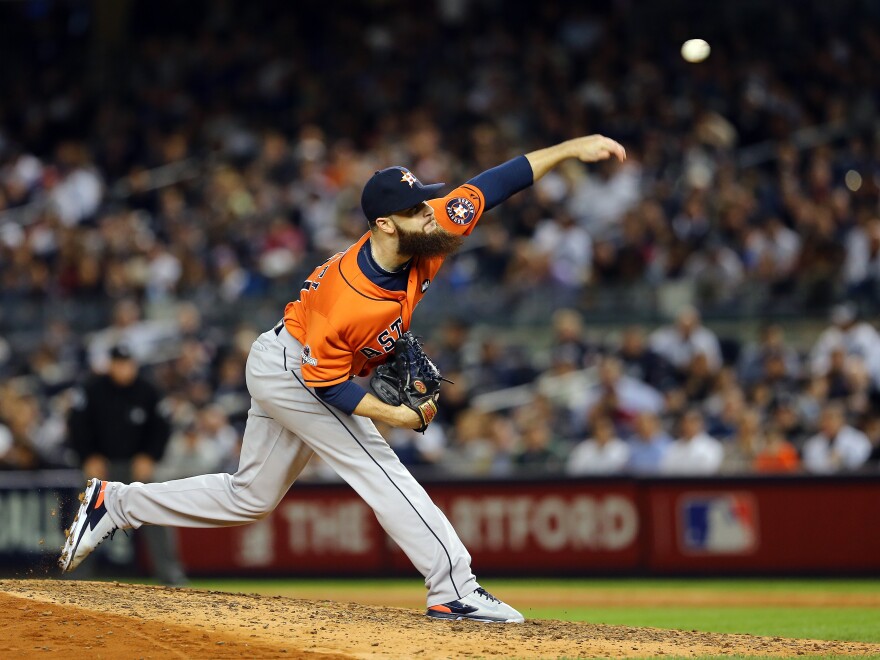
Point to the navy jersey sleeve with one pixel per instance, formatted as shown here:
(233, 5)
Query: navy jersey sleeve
(345, 396)
(499, 183)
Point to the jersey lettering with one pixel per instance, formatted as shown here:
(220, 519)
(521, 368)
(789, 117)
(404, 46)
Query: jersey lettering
(386, 340)
(312, 284)
(371, 353)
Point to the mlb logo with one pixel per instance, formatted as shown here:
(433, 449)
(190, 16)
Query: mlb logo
(718, 524)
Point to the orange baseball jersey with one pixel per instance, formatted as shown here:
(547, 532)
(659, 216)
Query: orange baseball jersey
(346, 323)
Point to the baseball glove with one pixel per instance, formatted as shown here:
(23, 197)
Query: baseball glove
(409, 378)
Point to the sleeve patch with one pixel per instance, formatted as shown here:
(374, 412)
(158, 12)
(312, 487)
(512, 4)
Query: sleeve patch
(460, 210)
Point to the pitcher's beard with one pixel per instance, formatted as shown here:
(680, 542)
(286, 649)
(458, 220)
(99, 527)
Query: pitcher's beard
(439, 243)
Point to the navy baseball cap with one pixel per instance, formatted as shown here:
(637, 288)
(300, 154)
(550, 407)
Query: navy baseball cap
(394, 189)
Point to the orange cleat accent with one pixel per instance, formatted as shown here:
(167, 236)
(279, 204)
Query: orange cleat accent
(100, 500)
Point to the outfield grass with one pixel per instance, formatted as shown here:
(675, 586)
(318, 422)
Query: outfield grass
(845, 624)
(832, 622)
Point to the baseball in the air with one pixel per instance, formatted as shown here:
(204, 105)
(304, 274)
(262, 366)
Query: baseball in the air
(695, 50)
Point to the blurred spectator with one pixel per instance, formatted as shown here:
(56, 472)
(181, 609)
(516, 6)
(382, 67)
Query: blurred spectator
(786, 419)
(565, 249)
(231, 392)
(858, 340)
(770, 357)
(598, 200)
(698, 379)
(203, 443)
(812, 400)
(695, 452)
(741, 450)
(776, 455)
(498, 366)
(641, 362)
(871, 429)
(717, 272)
(647, 445)
(143, 338)
(680, 343)
(448, 350)
(214, 425)
(472, 450)
(771, 254)
(539, 451)
(571, 350)
(190, 451)
(821, 256)
(456, 398)
(18, 427)
(727, 423)
(614, 395)
(7, 457)
(862, 265)
(416, 449)
(837, 447)
(604, 453)
(490, 261)
(76, 189)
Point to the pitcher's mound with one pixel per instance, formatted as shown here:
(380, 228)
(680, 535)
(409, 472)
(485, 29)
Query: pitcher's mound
(52, 618)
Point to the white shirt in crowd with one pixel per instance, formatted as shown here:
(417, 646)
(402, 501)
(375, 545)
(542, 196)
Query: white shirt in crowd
(861, 263)
(777, 244)
(632, 394)
(598, 202)
(77, 196)
(5, 441)
(848, 450)
(859, 340)
(591, 457)
(187, 456)
(669, 343)
(702, 454)
(569, 249)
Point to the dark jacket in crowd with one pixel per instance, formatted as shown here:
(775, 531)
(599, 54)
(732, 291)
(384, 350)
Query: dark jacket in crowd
(118, 422)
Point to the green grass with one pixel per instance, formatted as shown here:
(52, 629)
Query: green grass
(845, 623)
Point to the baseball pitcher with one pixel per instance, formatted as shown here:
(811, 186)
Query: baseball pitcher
(352, 318)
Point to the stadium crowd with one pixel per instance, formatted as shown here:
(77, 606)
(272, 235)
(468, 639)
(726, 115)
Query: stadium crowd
(211, 161)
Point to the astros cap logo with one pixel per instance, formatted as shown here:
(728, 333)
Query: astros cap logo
(408, 178)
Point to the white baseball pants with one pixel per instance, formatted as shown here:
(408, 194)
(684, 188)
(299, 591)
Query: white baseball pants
(286, 424)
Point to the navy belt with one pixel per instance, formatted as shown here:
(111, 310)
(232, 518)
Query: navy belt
(278, 328)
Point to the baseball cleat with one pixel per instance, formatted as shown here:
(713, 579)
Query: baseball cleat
(91, 525)
(477, 606)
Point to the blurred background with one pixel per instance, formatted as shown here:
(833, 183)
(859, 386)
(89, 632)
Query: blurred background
(703, 314)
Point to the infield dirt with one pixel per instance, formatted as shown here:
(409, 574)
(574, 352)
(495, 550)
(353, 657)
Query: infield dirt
(74, 619)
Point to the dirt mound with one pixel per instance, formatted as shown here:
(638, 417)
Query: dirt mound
(48, 618)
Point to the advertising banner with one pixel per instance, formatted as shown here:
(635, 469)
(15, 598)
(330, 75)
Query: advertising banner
(773, 526)
(33, 509)
(798, 525)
